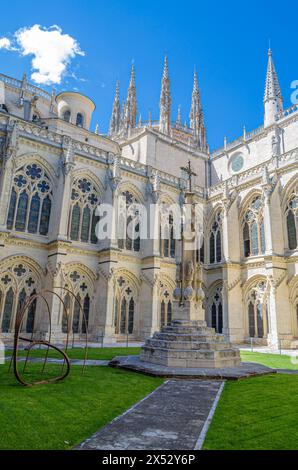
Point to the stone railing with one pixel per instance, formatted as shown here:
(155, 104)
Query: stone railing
(290, 110)
(14, 83)
(36, 131)
(239, 141)
(252, 173)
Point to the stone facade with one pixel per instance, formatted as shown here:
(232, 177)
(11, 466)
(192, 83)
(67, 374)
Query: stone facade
(55, 171)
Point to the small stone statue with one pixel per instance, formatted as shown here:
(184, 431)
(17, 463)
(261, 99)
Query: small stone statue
(275, 143)
(189, 270)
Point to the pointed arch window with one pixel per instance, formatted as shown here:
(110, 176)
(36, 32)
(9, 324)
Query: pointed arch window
(167, 239)
(216, 311)
(292, 220)
(215, 239)
(66, 314)
(165, 306)
(31, 315)
(125, 307)
(253, 230)
(86, 310)
(257, 312)
(7, 311)
(76, 315)
(19, 283)
(83, 218)
(30, 200)
(129, 238)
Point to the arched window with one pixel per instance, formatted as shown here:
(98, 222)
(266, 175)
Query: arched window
(31, 316)
(66, 314)
(292, 220)
(216, 313)
(167, 239)
(257, 312)
(18, 283)
(7, 311)
(77, 308)
(30, 201)
(215, 239)
(253, 231)
(166, 300)
(83, 218)
(76, 314)
(129, 239)
(80, 120)
(124, 307)
(66, 115)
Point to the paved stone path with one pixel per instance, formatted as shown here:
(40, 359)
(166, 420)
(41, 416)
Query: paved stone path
(172, 417)
(74, 362)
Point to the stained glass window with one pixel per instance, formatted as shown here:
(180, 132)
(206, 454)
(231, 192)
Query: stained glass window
(253, 229)
(86, 308)
(215, 241)
(7, 311)
(84, 201)
(31, 315)
(292, 220)
(76, 315)
(30, 200)
(12, 208)
(123, 317)
(237, 163)
(34, 214)
(22, 212)
(251, 320)
(75, 222)
(131, 315)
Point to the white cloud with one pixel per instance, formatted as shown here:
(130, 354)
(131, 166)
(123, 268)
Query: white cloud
(52, 51)
(5, 43)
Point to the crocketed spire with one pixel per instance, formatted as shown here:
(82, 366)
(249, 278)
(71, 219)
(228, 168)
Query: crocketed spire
(130, 109)
(165, 101)
(196, 117)
(116, 113)
(273, 101)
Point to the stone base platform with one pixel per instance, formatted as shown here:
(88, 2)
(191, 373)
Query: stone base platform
(189, 344)
(242, 371)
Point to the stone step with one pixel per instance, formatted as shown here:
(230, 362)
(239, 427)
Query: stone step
(186, 354)
(189, 337)
(187, 330)
(194, 359)
(187, 345)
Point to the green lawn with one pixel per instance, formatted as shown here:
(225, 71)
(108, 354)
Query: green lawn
(275, 361)
(257, 413)
(78, 353)
(61, 415)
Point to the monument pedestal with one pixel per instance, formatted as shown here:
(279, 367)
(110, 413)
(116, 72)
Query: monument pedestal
(189, 344)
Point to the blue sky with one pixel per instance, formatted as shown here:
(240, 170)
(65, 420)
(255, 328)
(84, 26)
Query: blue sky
(227, 42)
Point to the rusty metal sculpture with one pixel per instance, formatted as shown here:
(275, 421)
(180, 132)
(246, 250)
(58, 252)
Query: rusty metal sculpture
(65, 368)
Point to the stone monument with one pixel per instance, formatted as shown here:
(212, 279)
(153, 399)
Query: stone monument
(187, 342)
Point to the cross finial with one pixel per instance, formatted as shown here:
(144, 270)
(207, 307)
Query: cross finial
(190, 173)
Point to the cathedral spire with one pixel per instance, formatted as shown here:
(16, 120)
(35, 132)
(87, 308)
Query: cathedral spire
(178, 120)
(273, 101)
(130, 110)
(196, 117)
(116, 113)
(165, 101)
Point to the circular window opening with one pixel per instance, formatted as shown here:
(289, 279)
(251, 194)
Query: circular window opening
(237, 163)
